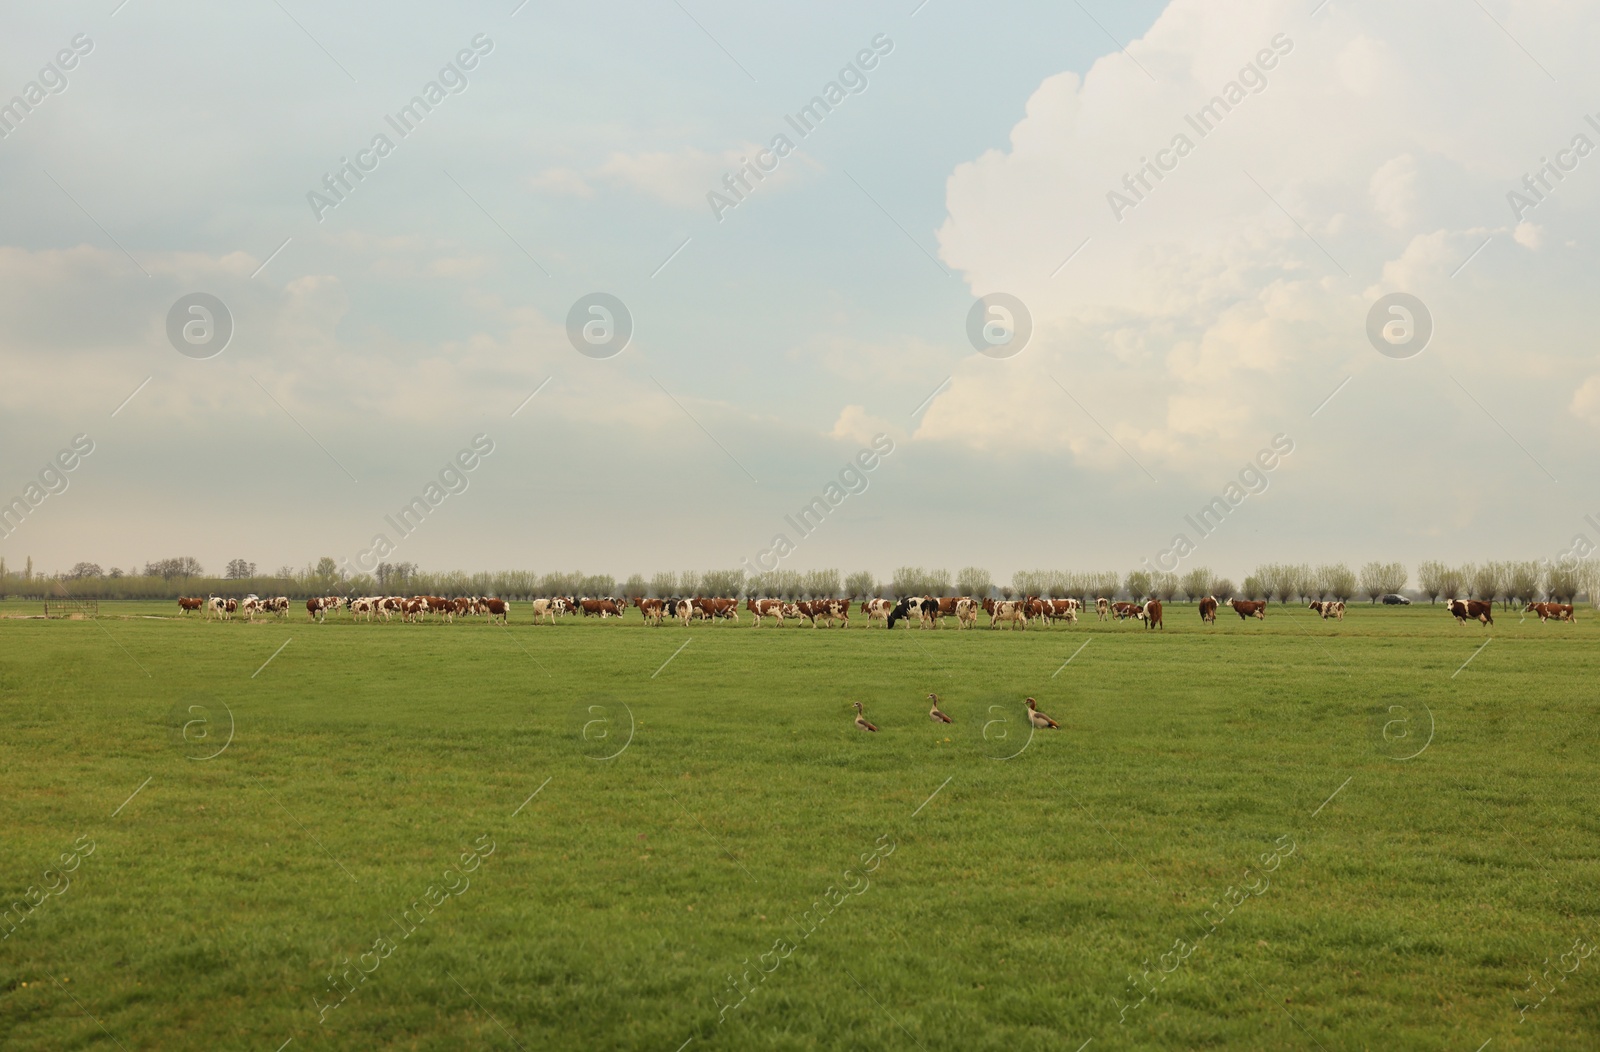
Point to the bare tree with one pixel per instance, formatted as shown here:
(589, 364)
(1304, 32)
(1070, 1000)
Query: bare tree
(664, 585)
(822, 584)
(860, 585)
(728, 583)
(1197, 583)
(1337, 580)
(937, 582)
(80, 570)
(635, 587)
(1522, 581)
(1222, 588)
(1561, 581)
(974, 581)
(1430, 579)
(1253, 587)
(1138, 584)
(1484, 581)
(239, 568)
(907, 580)
(1453, 581)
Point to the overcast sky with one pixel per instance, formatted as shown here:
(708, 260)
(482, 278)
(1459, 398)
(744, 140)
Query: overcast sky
(1197, 277)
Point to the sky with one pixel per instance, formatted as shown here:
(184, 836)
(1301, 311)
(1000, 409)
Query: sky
(1065, 275)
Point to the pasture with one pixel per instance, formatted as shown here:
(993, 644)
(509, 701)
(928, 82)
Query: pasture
(598, 835)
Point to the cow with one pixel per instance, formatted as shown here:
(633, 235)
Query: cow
(1123, 611)
(1208, 610)
(1473, 609)
(412, 610)
(1008, 610)
(901, 612)
(500, 610)
(760, 608)
(1060, 610)
(250, 605)
(1152, 615)
(876, 609)
(1246, 608)
(188, 603)
(1329, 608)
(316, 608)
(967, 613)
(1559, 611)
(1102, 607)
(601, 608)
(216, 608)
(685, 610)
(653, 610)
(840, 609)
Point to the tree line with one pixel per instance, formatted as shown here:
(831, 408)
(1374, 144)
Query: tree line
(1506, 582)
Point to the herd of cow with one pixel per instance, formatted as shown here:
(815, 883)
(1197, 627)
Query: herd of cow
(928, 611)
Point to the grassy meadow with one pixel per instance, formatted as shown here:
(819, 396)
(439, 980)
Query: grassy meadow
(1294, 834)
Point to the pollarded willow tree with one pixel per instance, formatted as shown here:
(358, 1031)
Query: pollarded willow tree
(860, 585)
(1197, 583)
(974, 581)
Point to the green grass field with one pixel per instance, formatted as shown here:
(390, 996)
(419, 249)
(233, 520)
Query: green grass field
(1285, 835)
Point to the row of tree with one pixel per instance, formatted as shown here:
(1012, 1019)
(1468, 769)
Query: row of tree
(168, 578)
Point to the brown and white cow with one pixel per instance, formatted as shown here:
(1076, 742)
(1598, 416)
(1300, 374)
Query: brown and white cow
(1060, 610)
(876, 609)
(188, 603)
(1151, 615)
(760, 608)
(1328, 608)
(1008, 610)
(316, 608)
(1123, 611)
(1256, 608)
(1472, 609)
(1208, 609)
(1102, 607)
(601, 608)
(499, 610)
(967, 613)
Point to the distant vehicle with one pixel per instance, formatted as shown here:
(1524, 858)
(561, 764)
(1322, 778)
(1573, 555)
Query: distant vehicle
(1394, 600)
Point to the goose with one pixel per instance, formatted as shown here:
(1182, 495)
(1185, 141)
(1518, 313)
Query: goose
(1039, 719)
(934, 714)
(861, 719)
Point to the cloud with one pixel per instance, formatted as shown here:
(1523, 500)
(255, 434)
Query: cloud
(856, 425)
(1236, 216)
(1586, 401)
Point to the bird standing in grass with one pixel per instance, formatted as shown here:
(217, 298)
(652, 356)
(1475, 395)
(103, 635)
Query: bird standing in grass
(1039, 719)
(934, 714)
(861, 719)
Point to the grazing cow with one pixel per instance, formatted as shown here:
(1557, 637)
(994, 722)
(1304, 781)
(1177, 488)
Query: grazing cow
(1152, 615)
(1123, 611)
(967, 613)
(1102, 607)
(877, 609)
(1473, 609)
(1208, 610)
(1329, 608)
(1256, 608)
(901, 611)
(187, 603)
